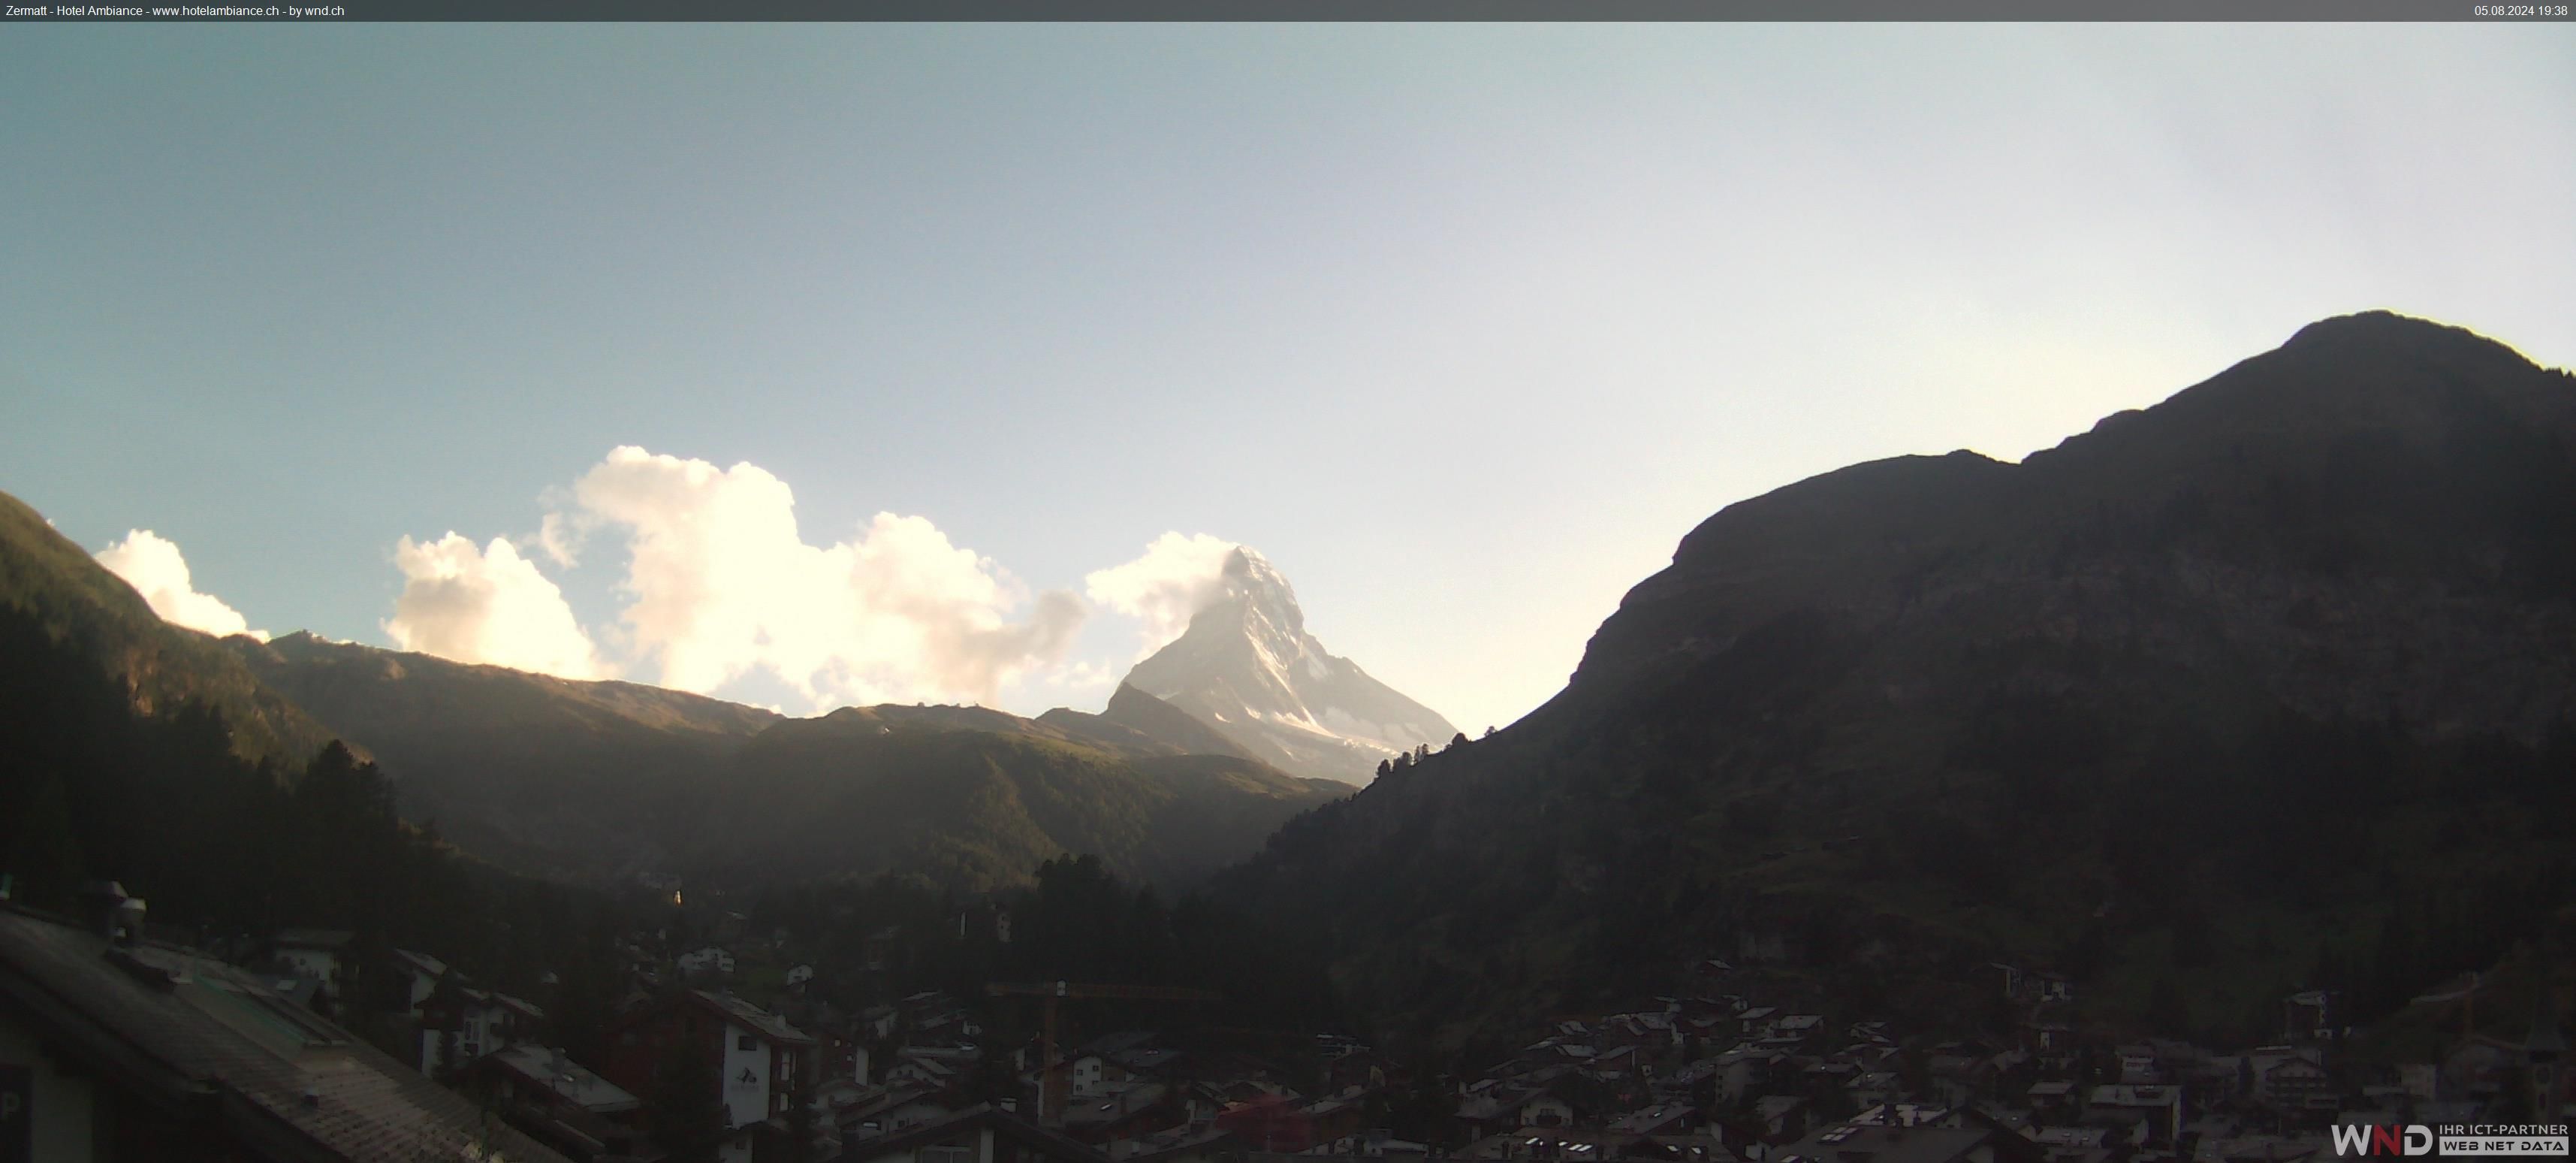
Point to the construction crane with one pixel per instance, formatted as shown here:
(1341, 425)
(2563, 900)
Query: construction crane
(1050, 1086)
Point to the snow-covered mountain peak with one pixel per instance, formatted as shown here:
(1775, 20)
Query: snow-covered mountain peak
(1247, 667)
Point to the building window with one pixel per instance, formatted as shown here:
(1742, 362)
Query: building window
(746, 1042)
(945, 1155)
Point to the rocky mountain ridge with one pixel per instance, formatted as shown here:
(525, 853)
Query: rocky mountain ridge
(2226, 694)
(1247, 668)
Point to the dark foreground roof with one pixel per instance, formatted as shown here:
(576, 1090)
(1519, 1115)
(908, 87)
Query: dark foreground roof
(214, 1048)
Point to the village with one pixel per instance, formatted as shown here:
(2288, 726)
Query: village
(728, 1050)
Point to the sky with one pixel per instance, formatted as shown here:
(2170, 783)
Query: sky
(815, 364)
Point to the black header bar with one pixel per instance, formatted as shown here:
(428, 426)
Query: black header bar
(153, 11)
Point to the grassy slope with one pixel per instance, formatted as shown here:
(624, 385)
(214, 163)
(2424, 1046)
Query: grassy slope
(584, 779)
(877, 789)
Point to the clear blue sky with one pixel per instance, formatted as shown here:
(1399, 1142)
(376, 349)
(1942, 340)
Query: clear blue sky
(1462, 326)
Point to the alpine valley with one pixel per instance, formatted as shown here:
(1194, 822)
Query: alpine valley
(2271, 686)
(608, 782)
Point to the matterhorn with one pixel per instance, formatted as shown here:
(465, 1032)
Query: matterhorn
(1247, 667)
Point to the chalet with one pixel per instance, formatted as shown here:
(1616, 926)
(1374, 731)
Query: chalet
(2052, 1098)
(979, 1134)
(1124, 1112)
(1783, 1117)
(116, 1047)
(1643, 1031)
(713, 959)
(2308, 1017)
(1546, 1108)
(941, 1068)
(559, 1103)
(889, 1110)
(315, 953)
(2072, 1144)
(1915, 1114)
(1337, 1117)
(2128, 1130)
(2160, 1106)
(1873, 1088)
(1483, 1112)
(1659, 1119)
(1093, 1074)
(458, 1025)
(2292, 1082)
(1338, 1045)
(1739, 1070)
(952, 1028)
(2053, 1042)
(421, 973)
(760, 1059)
(1618, 1064)
(840, 1049)
(839, 1094)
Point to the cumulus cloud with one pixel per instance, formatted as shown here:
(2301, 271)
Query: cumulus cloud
(1175, 578)
(560, 539)
(720, 583)
(488, 605)
(153, 565)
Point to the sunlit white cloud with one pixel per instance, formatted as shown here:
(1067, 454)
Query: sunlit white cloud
(560, 538)
(1174, 578)
(720, 583)
(153, 565)
(487, 605)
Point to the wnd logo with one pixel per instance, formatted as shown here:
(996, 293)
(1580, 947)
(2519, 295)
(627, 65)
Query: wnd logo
(2360, 1139)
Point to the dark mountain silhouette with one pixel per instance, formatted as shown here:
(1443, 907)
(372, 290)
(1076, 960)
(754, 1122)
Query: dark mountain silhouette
(162, 667)
(582, 780)
(1247, 668)
(549, 775)
(2269, 685)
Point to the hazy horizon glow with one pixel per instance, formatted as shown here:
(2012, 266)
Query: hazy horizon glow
(946, 354)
